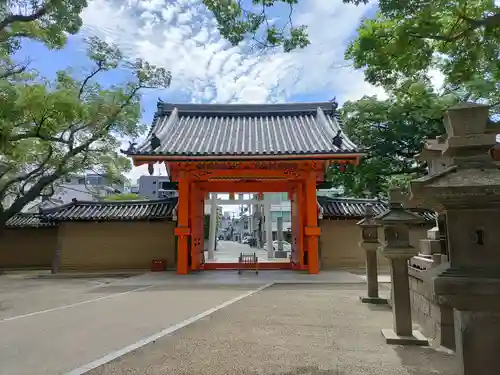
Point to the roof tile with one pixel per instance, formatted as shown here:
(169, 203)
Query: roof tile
(23, 220)
(112, 210)
(354, 208)
(348, 207)
(244, 129)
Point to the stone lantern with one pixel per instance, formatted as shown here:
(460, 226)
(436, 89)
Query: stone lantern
(396, 222)
(468, 192)
(369, 243)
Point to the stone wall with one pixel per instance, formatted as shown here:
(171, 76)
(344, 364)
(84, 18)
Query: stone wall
(120, 245)
(28, 248)
(436, 320)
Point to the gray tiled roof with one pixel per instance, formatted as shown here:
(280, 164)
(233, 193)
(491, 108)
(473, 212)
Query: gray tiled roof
(427, 215)
(27, 221)
(245, 129)
(354, 208)
(112, 210)
(348, 207)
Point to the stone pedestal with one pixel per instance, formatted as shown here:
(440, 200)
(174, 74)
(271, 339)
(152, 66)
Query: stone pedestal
(372, 274)
(468, 192)
(478, 336)
(396, 222)
(402, 332)
(369, 243)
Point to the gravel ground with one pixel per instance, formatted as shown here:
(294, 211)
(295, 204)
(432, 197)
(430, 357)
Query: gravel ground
(286, 329)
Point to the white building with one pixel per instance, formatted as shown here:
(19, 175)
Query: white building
(89, 187)
(280, 206)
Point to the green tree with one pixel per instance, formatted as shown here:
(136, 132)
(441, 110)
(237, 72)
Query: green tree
(459, 38)
(237, 22)
(124, 197)
(47, 21)
(53, 129)
(391, 132)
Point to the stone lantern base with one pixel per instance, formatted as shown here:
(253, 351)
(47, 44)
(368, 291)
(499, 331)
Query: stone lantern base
(374, 300)
(417, 338)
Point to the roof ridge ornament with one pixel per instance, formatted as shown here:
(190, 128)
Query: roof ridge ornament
(335, 103)
(155, 142)
(131, 148)
(338, 140)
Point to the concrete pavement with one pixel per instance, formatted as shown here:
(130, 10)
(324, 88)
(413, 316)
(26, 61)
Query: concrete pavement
(55, 326)
(313, 329)
(63, 337)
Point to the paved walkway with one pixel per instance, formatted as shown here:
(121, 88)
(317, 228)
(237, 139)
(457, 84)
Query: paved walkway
(70, 323)
(229, 251)
(313, 329)
(55, 338)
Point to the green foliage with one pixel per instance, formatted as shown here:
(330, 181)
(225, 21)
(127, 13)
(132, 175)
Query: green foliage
(71, 125)
(459, 38)
(236, 23)
(124, 197)
(47, 21)
(391, 132)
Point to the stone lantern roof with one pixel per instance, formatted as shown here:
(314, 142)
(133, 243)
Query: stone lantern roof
(473, 177)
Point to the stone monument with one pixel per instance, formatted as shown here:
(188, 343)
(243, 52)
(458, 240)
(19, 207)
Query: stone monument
(469, 194)
(370, 244)
(396, 223)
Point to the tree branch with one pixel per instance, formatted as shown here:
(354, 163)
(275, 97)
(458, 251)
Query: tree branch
(89, 77)
(13, 70)
(10, 19)
(491, 21)
(27, 176)
(44, 181)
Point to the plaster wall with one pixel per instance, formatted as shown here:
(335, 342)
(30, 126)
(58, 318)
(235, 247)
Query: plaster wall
(28, 248)
(121, 245)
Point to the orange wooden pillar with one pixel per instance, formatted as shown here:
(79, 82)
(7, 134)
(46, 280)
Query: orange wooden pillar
(297, 204)
(194, 223)
(183, 230)
(201, 224)
(311, 231)
(292, 197)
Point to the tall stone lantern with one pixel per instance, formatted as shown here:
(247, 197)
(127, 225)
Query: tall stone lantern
(396, 222)
(370, 244)
(469, 193)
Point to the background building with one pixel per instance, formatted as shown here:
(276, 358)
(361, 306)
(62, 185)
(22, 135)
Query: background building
(155, 187)
(89, 187)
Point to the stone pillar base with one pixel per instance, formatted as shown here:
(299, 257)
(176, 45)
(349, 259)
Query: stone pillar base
(374, 300)
(416, 339)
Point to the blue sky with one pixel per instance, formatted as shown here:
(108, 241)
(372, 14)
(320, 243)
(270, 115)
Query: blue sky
(182, 36)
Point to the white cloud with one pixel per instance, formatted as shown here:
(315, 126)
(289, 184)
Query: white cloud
(182, 36)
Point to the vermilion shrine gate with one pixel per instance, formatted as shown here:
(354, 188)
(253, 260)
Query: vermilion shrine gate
(246, 148)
